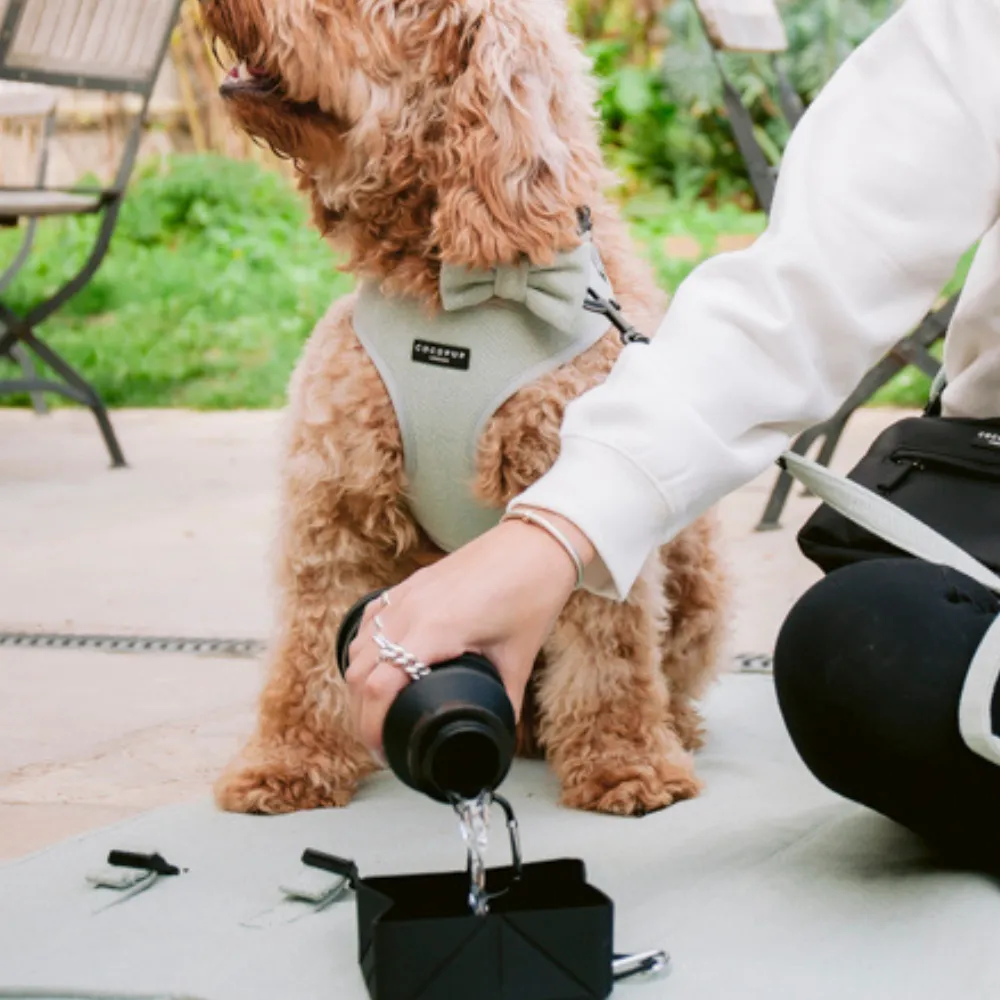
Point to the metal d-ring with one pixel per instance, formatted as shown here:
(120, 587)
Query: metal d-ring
(514, 832)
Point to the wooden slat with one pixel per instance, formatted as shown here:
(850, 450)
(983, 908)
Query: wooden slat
(110, 39)
(744, 25)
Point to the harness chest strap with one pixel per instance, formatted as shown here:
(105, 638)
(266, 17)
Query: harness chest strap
(448, 374)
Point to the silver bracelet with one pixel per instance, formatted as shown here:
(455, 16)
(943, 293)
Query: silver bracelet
(531, 517)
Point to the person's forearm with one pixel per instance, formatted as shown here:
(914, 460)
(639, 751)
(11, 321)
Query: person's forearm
(891, 176)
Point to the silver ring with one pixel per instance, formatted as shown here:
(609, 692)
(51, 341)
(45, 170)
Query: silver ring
(391, 652)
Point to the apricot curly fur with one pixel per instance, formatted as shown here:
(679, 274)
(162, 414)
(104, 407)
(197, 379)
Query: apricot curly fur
(463, 132)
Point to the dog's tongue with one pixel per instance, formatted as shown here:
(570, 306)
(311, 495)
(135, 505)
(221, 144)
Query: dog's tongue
(241, 71)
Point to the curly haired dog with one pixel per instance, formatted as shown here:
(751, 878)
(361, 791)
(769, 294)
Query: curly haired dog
(431, 132)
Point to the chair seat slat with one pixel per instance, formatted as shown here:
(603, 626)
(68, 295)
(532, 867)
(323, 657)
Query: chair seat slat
(112, 40)
(82, 25)
(62, 30)
(114, 52)
(35, 204)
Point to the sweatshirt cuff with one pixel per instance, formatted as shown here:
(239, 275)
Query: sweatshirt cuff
(613, 502)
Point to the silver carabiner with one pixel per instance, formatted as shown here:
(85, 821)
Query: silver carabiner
(479, 898)
(514, 833)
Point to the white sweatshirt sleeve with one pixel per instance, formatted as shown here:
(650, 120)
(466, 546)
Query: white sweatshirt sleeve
(892, 175)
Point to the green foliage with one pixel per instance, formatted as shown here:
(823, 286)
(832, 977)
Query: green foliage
(662, 109)
(656, 216)
(213, 282)
(636, 22)
(215, 279)
(823, 33)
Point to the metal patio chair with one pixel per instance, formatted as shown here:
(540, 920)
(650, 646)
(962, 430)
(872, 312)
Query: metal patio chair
(30, 110)
(750, 26)
(115, 46)
(755, 26)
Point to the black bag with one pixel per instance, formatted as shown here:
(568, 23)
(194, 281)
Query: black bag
(943, 470)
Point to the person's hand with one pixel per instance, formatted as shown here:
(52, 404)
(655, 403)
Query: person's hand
(499, 596)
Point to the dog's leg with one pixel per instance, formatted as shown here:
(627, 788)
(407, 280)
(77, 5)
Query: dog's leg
(345, 533)
(304, 754)
(605, 705)
(697, 592)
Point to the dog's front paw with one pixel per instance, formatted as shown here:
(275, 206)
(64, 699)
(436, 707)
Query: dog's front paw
(631, 787)
(285, 779)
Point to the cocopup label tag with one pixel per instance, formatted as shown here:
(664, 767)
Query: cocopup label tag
(441, 355)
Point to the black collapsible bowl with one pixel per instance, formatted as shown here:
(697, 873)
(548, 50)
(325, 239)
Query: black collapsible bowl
(549, 936)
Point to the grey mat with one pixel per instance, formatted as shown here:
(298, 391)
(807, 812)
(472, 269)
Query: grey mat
(766, 888)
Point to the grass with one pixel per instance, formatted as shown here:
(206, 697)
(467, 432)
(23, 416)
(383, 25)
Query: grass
(654, 217)
(215, 279)
(212, 284)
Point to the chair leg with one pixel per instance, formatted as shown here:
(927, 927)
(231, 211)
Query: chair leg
(771, 518)
(831, 440)
(23, 358)
(63, 368)
(835, 431)
(831, 430)
(80, 390)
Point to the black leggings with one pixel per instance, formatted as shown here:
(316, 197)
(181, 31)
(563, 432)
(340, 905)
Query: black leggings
(869, 669)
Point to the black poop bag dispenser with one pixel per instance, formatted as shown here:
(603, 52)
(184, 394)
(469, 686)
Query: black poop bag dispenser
(547, 936)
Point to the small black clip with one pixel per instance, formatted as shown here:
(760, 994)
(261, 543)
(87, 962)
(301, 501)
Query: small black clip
(331, 863)
(143, 862)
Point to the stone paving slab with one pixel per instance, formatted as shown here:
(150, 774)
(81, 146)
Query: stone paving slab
(87, 738)
(52, 707)
(178, 545)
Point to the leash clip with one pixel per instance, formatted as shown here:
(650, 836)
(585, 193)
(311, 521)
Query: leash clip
(613, 311)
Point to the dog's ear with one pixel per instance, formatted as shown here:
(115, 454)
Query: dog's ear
(514, 165)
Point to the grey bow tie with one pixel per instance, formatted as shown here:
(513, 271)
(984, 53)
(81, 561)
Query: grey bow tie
(554, 294)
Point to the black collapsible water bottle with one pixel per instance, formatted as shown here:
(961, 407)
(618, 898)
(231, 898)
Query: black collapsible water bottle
(449, 734)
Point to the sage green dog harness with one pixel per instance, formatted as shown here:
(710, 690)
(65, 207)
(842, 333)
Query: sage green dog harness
(448, 374)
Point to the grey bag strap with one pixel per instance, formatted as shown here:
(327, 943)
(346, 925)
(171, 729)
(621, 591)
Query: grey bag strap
(896, 526)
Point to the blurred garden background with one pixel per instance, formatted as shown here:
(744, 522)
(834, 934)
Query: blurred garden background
(215, 278)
